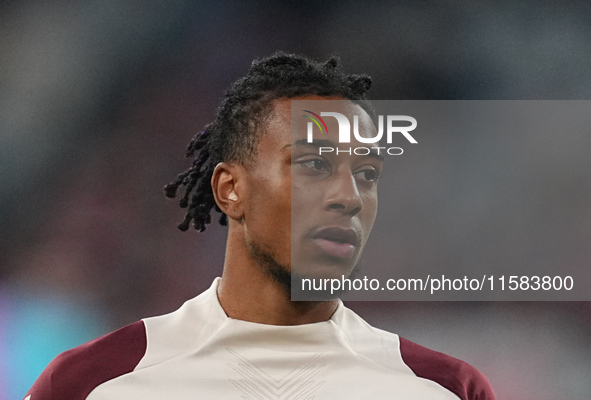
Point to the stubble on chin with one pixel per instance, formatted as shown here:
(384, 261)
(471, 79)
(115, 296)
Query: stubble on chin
(265, 258)
(290, 280)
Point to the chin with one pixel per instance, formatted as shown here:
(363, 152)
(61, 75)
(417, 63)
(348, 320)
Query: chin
(323, 270)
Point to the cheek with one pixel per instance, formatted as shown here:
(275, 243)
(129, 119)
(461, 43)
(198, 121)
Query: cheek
(297, 199)
(370, 209)
(306, 195)
(304, 203)
(270, 210)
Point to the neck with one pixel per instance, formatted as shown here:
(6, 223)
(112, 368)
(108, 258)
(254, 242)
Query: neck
(247, 292)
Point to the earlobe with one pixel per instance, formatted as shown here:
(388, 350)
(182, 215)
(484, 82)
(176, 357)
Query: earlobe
(226, 191)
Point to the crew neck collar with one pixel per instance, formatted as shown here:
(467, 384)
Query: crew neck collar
(212, 295)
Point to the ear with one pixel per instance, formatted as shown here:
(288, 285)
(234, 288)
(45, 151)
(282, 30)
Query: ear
(225, 184)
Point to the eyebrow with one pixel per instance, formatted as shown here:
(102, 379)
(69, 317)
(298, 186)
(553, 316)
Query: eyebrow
(317, 143)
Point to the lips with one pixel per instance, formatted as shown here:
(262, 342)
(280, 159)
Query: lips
(336, 241)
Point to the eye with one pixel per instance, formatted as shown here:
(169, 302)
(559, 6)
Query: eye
(317, 164)
(368, 175)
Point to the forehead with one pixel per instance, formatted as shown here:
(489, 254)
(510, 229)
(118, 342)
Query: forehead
(285, 124)
(288, 118)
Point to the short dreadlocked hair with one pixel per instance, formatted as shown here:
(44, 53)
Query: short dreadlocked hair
(234, 133)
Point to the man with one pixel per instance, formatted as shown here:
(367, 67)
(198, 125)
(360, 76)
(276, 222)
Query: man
(287, 208)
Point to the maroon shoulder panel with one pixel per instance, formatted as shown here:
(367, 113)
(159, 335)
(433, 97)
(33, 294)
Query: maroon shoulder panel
(75, 373)
(455, 375)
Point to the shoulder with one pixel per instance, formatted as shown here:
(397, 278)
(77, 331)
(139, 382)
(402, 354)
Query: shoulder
(455, 375)
(401, 355)
(75, 373)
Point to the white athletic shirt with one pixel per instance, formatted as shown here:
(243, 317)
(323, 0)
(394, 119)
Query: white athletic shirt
(197, 352)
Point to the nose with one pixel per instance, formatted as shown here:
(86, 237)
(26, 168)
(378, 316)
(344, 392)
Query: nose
(342, 194)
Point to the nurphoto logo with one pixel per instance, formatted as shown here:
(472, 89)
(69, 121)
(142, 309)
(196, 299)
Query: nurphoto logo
(392, 127)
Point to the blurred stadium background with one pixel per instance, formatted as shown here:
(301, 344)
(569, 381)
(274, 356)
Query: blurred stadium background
(98, 100)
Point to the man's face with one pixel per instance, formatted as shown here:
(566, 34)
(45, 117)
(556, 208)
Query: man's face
(308, 212)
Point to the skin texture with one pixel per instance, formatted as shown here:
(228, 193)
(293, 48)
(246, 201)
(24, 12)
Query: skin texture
(277, 206)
